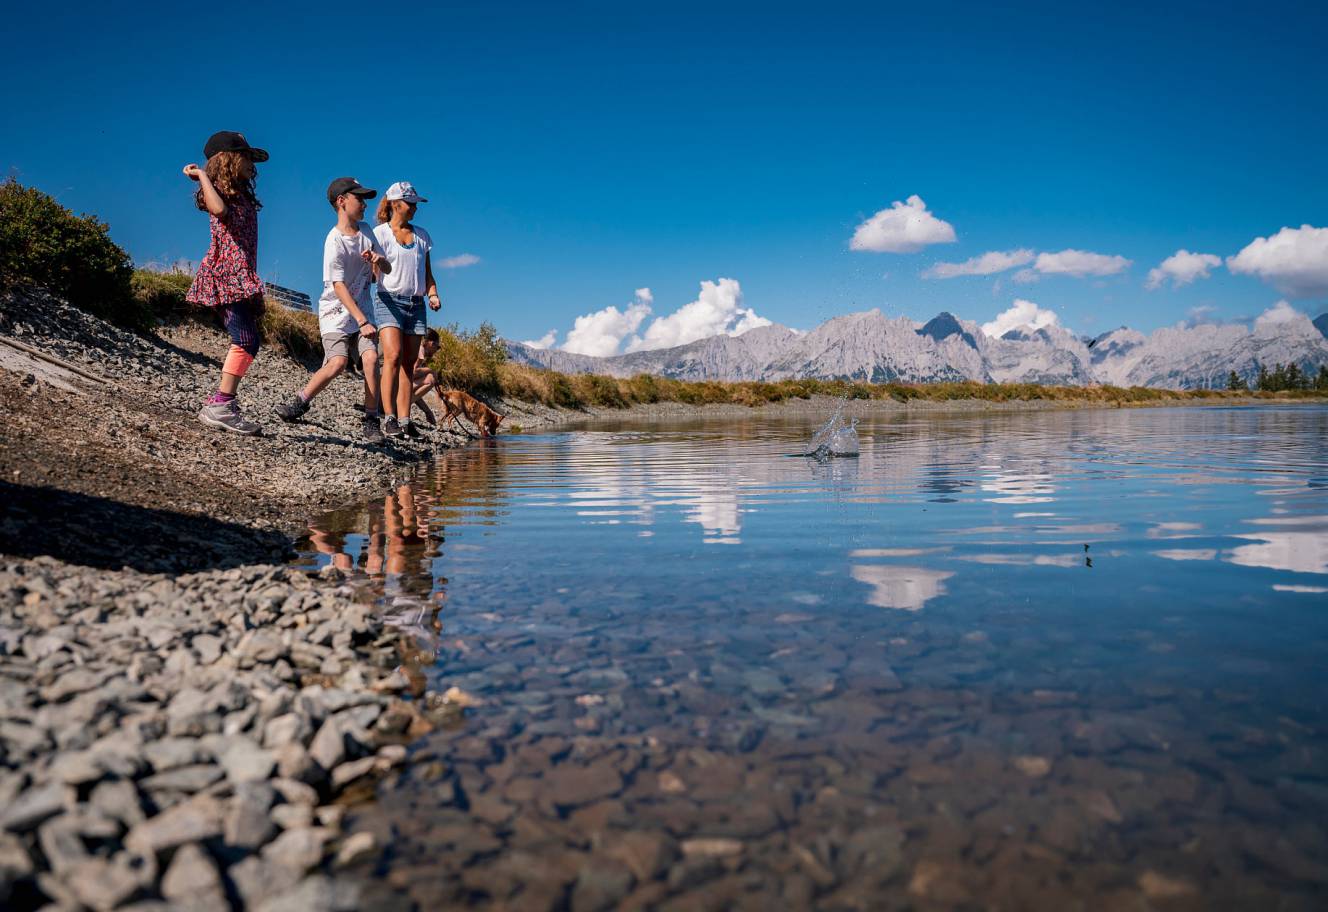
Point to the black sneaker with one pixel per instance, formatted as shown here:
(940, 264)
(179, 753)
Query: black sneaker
(390, 426)
(292, 409)
(372, 432)
(408, 429)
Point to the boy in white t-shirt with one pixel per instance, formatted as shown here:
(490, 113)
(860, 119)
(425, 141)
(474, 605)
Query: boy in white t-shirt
(351, 255)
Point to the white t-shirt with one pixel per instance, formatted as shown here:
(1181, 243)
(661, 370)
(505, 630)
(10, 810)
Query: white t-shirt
(343, 262)
(407, 275)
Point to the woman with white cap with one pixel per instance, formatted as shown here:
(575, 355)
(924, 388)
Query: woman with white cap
(399, 305)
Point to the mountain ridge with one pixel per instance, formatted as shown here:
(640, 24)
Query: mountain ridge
(870, 346)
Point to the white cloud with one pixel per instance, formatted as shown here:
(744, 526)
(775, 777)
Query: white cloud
(987, 264)
(1295, 261)
(718, 309)
(458, 261)
(1281, 312)
(544, 341)
(1080, 263)
(1182, 268)
(1021, 313)
(600, 333)
(903, 228)
(1025, 277)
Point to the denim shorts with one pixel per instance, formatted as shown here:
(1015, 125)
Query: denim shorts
(401, 312)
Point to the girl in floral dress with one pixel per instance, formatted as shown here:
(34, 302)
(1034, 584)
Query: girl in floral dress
(227, 279)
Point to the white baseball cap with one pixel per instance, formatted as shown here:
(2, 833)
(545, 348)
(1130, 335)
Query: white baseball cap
(404, 190)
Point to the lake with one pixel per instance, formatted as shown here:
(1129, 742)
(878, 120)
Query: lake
(1032, 660)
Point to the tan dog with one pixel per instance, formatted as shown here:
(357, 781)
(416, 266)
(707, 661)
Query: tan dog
(458, 403)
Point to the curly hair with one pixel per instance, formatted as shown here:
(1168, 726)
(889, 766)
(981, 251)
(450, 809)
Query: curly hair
(223, 169)
(384, 210)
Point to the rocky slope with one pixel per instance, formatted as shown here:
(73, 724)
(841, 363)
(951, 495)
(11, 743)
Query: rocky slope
(873, 347)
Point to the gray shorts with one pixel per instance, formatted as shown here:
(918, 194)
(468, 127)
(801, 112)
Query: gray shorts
(337, 345)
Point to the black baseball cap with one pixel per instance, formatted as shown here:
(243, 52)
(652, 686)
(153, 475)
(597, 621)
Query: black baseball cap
(348, 185)
(230, 141)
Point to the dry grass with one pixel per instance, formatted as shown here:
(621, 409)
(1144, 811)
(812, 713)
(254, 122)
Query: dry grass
(532, 384)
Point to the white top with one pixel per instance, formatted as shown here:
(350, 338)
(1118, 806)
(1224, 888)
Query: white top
(343, 262)
(407, 275)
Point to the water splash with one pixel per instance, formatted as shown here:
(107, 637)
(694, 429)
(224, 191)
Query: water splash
(835, 438)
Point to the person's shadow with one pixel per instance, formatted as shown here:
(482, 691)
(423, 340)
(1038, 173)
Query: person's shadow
(96, 532)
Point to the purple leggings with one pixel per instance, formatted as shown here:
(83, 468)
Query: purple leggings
(241, 320)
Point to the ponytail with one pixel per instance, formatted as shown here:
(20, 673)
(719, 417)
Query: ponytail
(384, 210)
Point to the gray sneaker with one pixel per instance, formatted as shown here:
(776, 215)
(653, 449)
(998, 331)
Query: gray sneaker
(226, 415)
(372, 432)
(390, 426)
(292, 409)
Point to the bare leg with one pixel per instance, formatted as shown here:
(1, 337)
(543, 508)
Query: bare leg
(369, 363)
(228, 384)
(410, 351)
(323, 376)
(390, 346)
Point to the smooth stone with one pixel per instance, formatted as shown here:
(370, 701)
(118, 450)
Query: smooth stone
(1156, 885)
(192, 880)
(245, 761)
(183, 779)
(647, 853)
(315, 894)
(103, 885)
(328, 748)
(118, 799)
(35, 806)
(715, 847)
(356, 848)
(600, 884)
(1032, 766)
(193, 821)
(297, 850)
(347, 773)
(293, 816)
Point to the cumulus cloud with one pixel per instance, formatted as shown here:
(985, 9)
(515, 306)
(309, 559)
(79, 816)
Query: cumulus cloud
(1281, 312)
(1080, 263)
(458, 261)
(987, 264)
(1025, 276)
(600, 333)
(1021, 313)
(903, 228)
(1182, 268)
(1295, 261)
(544, 341)
(717, 309)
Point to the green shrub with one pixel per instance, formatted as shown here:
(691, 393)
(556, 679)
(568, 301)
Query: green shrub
(44, 244)
(470, 360)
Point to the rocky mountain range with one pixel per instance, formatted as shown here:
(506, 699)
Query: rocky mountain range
(873, 347)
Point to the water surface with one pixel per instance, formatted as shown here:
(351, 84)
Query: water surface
(1016, 660)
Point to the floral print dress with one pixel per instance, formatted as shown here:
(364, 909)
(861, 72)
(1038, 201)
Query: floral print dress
(229, 271)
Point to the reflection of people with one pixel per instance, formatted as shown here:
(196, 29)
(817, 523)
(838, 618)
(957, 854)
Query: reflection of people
(227, 279)
(400, 303)
(424, 378)
(333, 544)
(350, 255)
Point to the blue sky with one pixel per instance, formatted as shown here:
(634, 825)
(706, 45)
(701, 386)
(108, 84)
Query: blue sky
(585, 151)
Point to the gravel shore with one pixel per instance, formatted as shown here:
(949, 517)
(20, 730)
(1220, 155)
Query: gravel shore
(180, 717)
